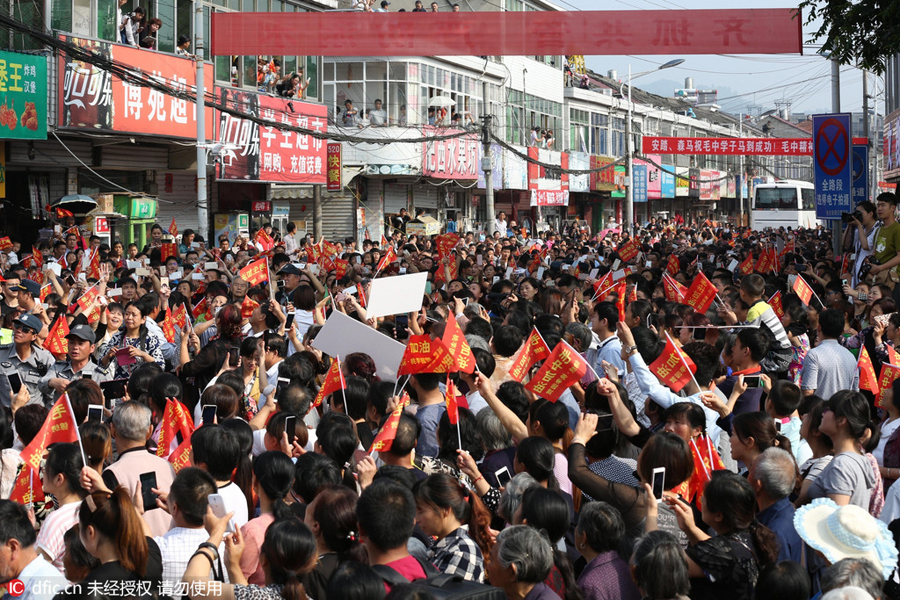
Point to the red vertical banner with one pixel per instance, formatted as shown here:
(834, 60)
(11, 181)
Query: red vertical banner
(333, 178)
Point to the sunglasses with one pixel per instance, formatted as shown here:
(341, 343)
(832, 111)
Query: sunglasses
(23, 327)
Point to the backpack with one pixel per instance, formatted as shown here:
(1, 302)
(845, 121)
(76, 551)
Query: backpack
(441, 586)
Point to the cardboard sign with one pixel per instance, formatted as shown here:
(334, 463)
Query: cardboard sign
(396, 295)
(342, 335)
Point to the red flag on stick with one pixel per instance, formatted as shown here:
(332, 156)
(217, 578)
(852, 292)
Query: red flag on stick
(457, 346)
(173, 228)
(534, 350)
(673, 266)
(389, 256)
(701, 293)
(176, 420)
(889, 372)
(803, 289)
(673, 368)
(561, 370)
(256, 272)
(775, 303)
(334, 382)
(24, 490)
(385, 437)
(59, 427)
(425, 355)
(181, 457)
(56, 342)
(868, 380)
(452, 402)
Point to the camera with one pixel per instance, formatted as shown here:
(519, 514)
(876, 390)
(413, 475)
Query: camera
(871, 261)
(848, 217)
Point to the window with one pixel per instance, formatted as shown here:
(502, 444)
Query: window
(777, 198)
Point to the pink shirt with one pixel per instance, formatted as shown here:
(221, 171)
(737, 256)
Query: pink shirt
(50, 537)
(254, 533)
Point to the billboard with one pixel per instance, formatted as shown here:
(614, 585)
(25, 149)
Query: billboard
(23, 96)
(453, 158)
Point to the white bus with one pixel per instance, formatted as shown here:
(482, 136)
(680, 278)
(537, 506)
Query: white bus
(783, 203)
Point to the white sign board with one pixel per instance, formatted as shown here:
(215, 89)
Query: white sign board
(342, 335)
(396, 295)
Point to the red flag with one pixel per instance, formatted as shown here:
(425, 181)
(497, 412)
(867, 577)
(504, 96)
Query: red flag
(802, 289)
(675, 292)
(87, 298)
(56, 342)
(456, 344)
(389, 257)
(45, 291)
(763, 265)
(746, 267)
(167, 250)
(701, 293)
(629, 250)
(181, 456)
(889, 372)
(603, 285)
(264, 241)
(168, 327)
(673, 367)
(452, 403)
(561, 370)
(173, 229)
(256, 272)
(775, 303)
(94, 265)
(673, 266)
(425, 355)
(706, 460)
(179, 316)
(534, 349)
(867, 378)
(200, 308)
(334, 382)
(385, 437)
(445, 244)
(248, 306)
(59, 427)
(341, 267)
(28, 487)
(440, 275)
(37, 257)
(176, 420)
(621, 291)
(5, 243)
(361, 293)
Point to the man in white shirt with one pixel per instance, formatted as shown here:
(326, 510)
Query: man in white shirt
(377, 116)
(23, 571)
(217, 451)
(500, 224)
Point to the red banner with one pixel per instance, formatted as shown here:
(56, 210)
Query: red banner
(454, 158)
(562, 369)
(673, 367)
(92, 99)
(534, 349)
(549, 197)
(255, 273)
(167, 250)
(267, 153)
(730, 146)
(511, 33)
(425, 355)
(334, 177)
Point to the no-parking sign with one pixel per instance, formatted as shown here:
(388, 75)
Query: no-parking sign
(833, 163)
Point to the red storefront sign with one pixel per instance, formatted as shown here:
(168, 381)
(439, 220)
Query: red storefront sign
(93, 99)
(730, 146)
(334, 176)
(549, 197)
(261, 206)
(512, 33)
(604, 180)
(454, 158)
(548, 178)
(268, 153)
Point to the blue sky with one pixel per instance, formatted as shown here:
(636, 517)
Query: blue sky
(744, 82)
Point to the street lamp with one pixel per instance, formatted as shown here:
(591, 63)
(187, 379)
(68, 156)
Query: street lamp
(628, 216)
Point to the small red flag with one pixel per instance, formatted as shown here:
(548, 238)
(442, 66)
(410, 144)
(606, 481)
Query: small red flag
(457, 346)
(802, 289)
(179, 316)
(867, 378)
(25, 489)
(248, 306)
(675, 292)
(389, 257)
(181, 456)
(452, 402)
(176, 420)
(775, 303)
(629, 250)
(673, 266)
(561, 370)
(889, 372)
(5, 243)
(59, 427)
(264, 241)
(385, 437)
(673, 367)
(341, 267)
(534, 349)
(746, 267)
(87, 298)
(621, 292)
(334, 382)
(425, 355)
(56, 342)
(701, 294)
(173, 229)
(200, 308)
(256, 272)
(445, 244)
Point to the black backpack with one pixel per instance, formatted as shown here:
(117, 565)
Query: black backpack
(442, 586)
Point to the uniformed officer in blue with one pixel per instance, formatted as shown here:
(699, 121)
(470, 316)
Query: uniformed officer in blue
(25, 357)
(78, 365)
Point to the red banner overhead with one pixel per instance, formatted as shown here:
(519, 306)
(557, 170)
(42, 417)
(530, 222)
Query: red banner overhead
(684, 32)
(731, 146)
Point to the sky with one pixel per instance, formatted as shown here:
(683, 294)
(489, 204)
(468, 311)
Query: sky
(744, 82)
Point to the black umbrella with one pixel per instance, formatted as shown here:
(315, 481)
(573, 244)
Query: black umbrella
(76, 203)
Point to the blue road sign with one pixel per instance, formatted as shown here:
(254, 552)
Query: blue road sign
(833, 165)
(639, 177)
(860, 173)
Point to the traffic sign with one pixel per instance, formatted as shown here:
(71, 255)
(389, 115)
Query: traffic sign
(833, 165)
(860, 173)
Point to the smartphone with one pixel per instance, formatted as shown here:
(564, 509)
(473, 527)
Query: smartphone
(208, 416)
(289, 322)
(799, 267)
(70, 281)
(87, 375)
(95, 412)
(503, 476)
(752, 381)
(778, 425)
(234, 355)
(15, 382)
(148, 482)
(659, 482)
(699, 334)
(280, 284)
(114, 389)
(604, 423)
(266, 337)
(290, 428)
(402, 322)
(217, 504)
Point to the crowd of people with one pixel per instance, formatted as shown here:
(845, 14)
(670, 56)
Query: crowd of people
(727, 425)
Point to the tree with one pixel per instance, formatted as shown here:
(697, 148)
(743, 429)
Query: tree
(863, 33)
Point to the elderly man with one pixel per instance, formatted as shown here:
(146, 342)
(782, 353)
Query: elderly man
(772, 476)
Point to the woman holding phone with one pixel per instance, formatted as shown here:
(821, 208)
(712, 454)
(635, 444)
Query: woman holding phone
(132, 346)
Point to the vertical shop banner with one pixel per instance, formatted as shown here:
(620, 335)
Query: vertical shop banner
(92, 99)
(515, 171)
(496, 167)
(694, 183)
(667, 182)
(833, 165)
(270, 154)
(23, 96)
(454, 158)
(548, 184)
(860, 173)
(579, 161)
(639, 183)
(335, 179)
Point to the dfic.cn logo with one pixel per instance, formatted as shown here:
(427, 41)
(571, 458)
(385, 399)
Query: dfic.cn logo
(15, 587)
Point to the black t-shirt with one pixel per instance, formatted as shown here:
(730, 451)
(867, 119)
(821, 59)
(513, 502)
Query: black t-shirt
(111, 581)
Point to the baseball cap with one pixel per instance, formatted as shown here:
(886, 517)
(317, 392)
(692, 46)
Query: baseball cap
(385, 3)
(30, 321)
(289, 269)
(83, 332)
(27, 285)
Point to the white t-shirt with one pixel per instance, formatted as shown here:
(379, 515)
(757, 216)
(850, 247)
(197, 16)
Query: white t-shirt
(235, 502)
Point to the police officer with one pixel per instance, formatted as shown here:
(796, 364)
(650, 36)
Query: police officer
(26, 358)
(28, 293)
(78, 365)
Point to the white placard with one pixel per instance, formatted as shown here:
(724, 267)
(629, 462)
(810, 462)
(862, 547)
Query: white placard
(732, 265)
(540, 274)
(617, 275)
(114, 292)
(342, 335)
(56, 268)
(211, 265)
(198, 276)
(594, 273)
(177, 275)
(509, 271)
(615, 266)
(396, 295)
(133, 264)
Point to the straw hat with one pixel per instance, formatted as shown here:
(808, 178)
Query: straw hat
(846, 532)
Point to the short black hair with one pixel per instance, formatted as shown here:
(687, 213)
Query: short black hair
(312, 472)
(190, 490)
(386, 513)
(831, 322)
(889, 197)
(756, 340)
(485, 362)
(217, 448)
(705, 358)
(408, 431)
(608, 311)
(480, 327)
(15, 525)
(507, 340)
(785, 397)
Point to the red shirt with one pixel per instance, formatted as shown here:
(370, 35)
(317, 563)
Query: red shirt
(408, 567)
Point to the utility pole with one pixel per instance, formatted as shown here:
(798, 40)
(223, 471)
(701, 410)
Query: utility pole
(836, 226)
(740, 182)
(317, 213)
(628, 213)
(866, 129)
(488, 173)
(202, 208)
